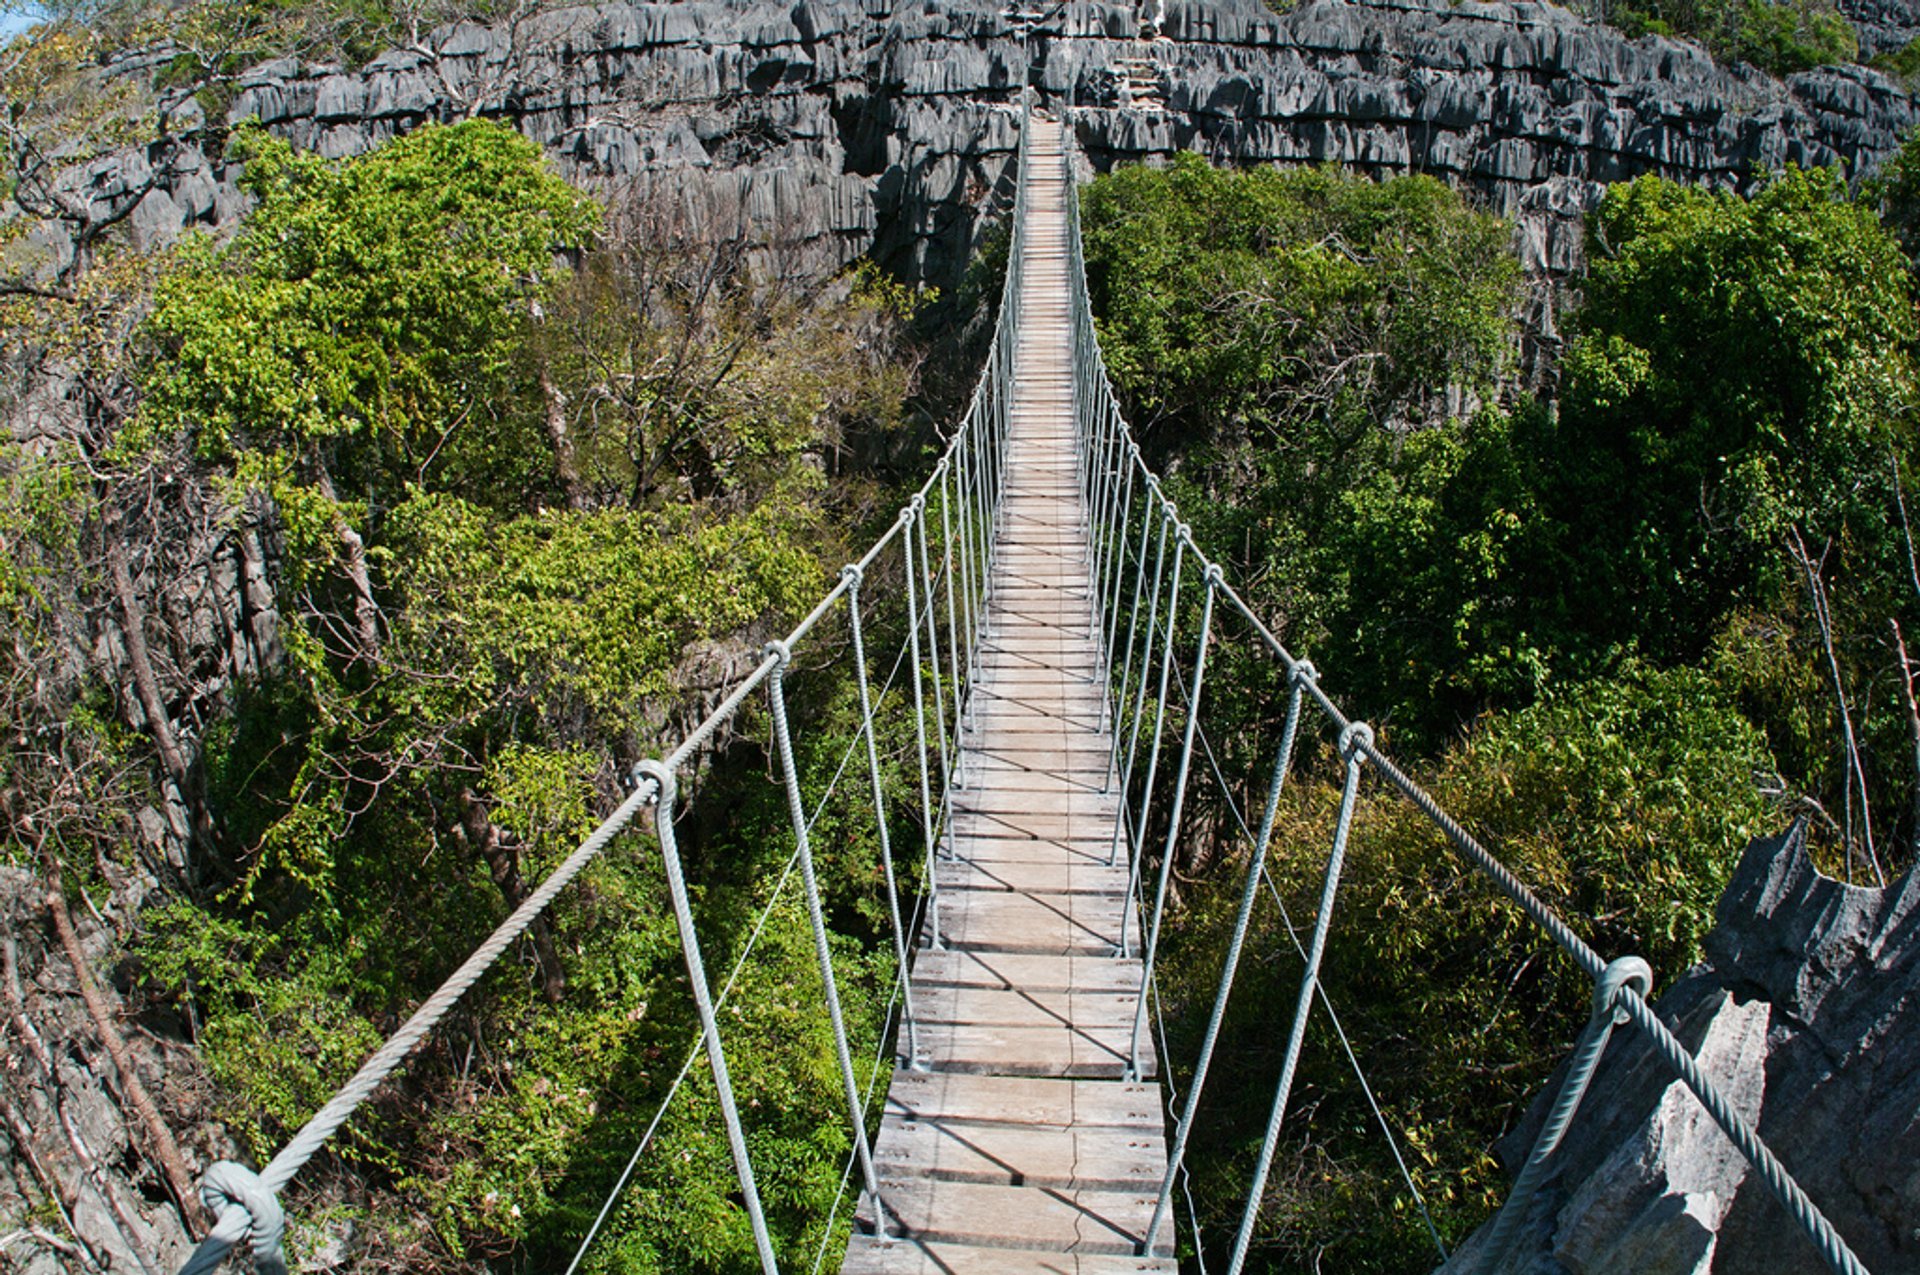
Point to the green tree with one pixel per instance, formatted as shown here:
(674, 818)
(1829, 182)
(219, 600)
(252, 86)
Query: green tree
(1742, 370)
(366, 319)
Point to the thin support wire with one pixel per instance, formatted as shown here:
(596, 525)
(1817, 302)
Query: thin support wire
(1349, 749)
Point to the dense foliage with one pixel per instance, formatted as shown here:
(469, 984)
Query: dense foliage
(523, 482)
(1778, 36)
(1626, 630)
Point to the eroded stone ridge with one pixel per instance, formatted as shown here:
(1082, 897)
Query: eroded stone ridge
(1806, 1013)
(851, 126)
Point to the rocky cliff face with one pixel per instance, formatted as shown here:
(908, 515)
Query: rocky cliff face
(852, 126)
(1806, 1013)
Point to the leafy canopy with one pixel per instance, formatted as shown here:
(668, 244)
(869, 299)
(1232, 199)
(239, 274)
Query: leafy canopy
(367, 312)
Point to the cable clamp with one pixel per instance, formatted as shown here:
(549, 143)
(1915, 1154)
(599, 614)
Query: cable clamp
(1610, 988)
(663, 781)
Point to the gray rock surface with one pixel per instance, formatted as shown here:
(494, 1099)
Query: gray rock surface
(854, 126)
(1806, 1013)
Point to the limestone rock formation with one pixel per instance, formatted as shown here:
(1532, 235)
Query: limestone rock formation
(1806, 1013)
(850, 126)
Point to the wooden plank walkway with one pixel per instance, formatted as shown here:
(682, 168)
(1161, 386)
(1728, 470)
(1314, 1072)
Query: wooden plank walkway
(1019, 1146)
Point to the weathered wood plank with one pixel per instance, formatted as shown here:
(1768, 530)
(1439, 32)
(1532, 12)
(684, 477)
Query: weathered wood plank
(1072, 1221)
(868, 1256)
(1020, 1147)
(1069, 1158)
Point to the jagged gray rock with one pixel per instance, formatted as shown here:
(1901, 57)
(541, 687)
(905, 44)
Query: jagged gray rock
(853, 127)
(1806, 1013)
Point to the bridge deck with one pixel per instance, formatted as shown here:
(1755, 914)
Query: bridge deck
(1018, 1146)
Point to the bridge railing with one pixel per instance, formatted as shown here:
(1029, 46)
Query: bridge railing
(1143, 555)
(940, 550)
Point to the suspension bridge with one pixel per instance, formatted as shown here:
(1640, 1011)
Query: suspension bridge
(1027, 1123)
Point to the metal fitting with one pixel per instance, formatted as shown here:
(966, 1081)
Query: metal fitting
(663, 781)
(1355, 739)
(1621, 973)
(780, 651)
(854, 573)
(1304, 674)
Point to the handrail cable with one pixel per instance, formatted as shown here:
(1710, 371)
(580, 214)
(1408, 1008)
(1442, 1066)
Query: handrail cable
(1104, 427)
(1120, 492)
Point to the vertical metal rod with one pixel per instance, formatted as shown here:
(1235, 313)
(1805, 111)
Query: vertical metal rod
(1352, 741)
(907, 519)
(1607, 1014)
(1109, 609)
(933, 660)
(1153, 751)
(947, 489)
(843, 1053)
(1213, 580)
(1140, 690)
(1249, 891)
(1119, 697)
(703, 1004)
(901, 942)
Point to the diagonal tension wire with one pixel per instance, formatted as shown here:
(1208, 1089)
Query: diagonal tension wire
(1233, 807)
(1326, 1001)
(739, 964)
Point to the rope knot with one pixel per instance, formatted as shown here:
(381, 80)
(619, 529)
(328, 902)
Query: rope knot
(1621, 973)
(1215, 576)
(854, 573)
(914, 506)
(247, 1210)
(780, 651)
(1184, 532)
(1355, 740)
(1304, 674)
(663, 782)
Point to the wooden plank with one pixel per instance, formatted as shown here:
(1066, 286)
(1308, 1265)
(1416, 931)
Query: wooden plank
(970, 869)
(1013, 1217)
(1022, 1155)
(1009, 922)
(868, 1256)
(1026, 1007)
(993, 1049)
(948, 967)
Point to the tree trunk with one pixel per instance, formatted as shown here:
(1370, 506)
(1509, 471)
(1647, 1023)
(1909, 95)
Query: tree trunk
(503, 864)
(146, 684)
(565, 462)
(366, 612)
(173, 1165)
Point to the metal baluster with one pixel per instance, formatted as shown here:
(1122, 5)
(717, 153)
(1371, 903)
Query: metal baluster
(1118, 698)
(1213, 578)
(1608, 1013)
(1159, 723)
(1249, 891)
(1140, 687)
(960, 678)
(907, 520)
(933, 661)
(796, 811)
(1109, 608)
(1353, 740)
(664, 780)
(855, 576)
